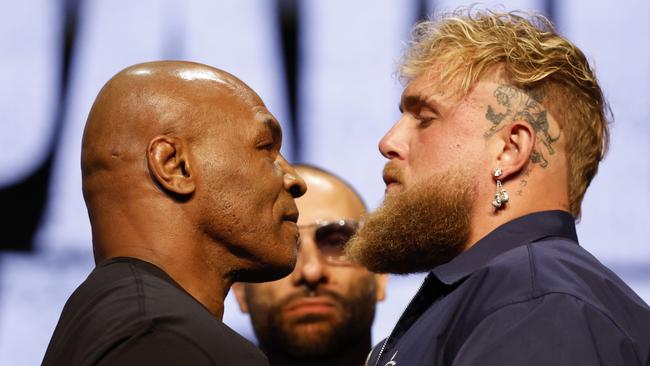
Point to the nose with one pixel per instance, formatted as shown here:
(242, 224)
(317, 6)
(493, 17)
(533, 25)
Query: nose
(293, 182)
(394, 144)
(311, 269)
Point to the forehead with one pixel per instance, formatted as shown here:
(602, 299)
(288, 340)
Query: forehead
(326, 199)
(427, 86)
(240, 110)
(427, 89)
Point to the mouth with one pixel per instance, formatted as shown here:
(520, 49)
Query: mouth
(391, 177)
(311, 305)
(390, 181)
(291, 216)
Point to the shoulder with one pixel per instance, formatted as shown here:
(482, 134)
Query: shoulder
(554, 266)
(164, 346)
(563, 266)
(110, 293)
(106, 308)
(556, 329)
(127, 303)
(561, 282)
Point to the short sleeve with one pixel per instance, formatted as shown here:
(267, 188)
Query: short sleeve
(555, 329)
(160, 348)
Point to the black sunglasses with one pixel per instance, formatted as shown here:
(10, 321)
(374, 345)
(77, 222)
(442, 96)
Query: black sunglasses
(331, 236)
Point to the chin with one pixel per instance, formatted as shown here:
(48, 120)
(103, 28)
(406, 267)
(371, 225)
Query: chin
(278, 272)
(269, 271)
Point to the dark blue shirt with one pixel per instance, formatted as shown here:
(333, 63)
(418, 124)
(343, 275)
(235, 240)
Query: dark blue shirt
(526, 294)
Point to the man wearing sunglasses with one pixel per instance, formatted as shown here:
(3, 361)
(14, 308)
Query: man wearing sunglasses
(321, 314)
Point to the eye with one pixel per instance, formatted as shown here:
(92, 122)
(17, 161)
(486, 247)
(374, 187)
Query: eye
(425, 121)
(333, 237)
(335, 240)
(426, 116)
(266, 145)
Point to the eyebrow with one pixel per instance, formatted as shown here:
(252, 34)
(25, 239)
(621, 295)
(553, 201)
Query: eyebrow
(411, 100)
(273, 126)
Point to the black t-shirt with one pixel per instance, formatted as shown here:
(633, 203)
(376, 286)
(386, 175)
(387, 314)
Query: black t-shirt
(130, 312)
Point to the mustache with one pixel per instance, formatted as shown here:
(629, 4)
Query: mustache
(306, 292)
(391, 171)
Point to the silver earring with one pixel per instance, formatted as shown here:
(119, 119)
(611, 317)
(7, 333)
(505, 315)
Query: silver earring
(501, 196)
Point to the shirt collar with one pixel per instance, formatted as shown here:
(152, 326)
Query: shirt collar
(518, 232)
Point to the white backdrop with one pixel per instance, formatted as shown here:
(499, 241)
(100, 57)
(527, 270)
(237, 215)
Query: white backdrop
(348, 98)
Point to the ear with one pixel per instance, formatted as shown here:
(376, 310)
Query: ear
(515, 146)
(381, 280)
(169, 165)
(240, 294)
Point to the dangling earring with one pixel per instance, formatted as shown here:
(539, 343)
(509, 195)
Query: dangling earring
(501, 196)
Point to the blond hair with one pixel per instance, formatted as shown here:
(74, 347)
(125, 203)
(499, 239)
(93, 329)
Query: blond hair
(464, 44)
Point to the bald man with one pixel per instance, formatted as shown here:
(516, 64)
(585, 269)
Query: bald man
(187, 192)
(322, 313)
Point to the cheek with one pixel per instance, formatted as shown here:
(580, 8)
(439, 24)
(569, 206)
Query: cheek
(354, 282)
(267, 178)
(266, 294)
(447, 148)
(428, 154)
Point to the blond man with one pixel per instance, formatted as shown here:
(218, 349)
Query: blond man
(502, 129)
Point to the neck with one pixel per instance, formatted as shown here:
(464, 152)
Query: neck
(181, 255)
(206, 286)
(354, 355)
(531, 192)
(482, 226)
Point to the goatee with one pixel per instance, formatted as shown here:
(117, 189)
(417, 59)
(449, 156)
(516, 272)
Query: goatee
(418, 228)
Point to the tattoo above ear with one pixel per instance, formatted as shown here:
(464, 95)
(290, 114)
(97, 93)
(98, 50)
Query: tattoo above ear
(520, 104)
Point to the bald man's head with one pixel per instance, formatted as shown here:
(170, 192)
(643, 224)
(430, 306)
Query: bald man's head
(179, 157)
(149, 99)
(326, 189)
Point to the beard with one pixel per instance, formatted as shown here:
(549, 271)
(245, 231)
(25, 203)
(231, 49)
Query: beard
(315, 336)
(416, 229)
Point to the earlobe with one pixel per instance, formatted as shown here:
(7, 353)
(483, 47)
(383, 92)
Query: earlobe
(381, 281)
(519, 143)
(168, 162)
(240, 295)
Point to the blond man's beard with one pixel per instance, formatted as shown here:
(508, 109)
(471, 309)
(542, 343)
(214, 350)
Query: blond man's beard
(417, 229)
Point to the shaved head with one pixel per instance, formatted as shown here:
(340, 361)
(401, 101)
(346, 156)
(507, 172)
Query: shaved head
(326, 189)
(145, 100)
(187, 192)
(181, 167)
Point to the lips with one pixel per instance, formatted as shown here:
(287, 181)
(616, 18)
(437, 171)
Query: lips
(389, 179)
(311, 305)
(391, 174)
(291, 216)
